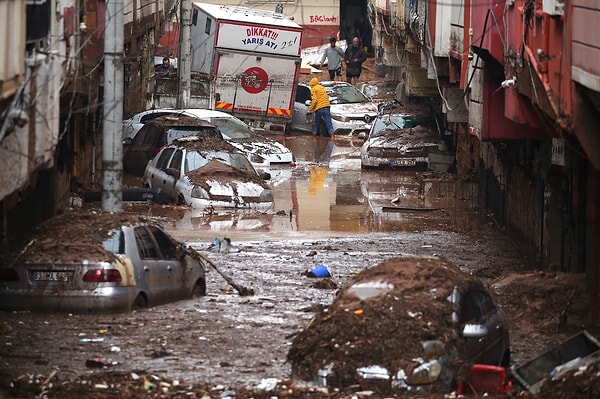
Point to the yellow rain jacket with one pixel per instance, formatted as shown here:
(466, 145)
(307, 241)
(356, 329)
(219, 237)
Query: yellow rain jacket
(318, 94)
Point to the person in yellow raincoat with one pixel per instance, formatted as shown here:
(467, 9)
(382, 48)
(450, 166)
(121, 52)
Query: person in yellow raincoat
(320, 107)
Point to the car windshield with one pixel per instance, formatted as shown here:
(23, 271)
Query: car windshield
(345, 94)
(195, 160)
(397, 122)
(233, 127)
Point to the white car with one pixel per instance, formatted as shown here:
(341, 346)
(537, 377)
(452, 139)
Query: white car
(261, 151)
(205, 173)
(352, 112)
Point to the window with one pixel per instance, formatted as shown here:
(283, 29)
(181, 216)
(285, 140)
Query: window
(208, 26)
(475, 305)
(302, 94)
(163, 159)
(146, 247)
(166, 245)
(114, 242)
(176, 161)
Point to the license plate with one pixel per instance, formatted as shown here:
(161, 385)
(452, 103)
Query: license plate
(50, 276)
(403, 162)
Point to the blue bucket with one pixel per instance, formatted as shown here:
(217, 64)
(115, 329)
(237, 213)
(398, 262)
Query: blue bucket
(319, 271)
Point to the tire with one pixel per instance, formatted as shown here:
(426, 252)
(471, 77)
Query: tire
(180, 200)
(199, 288)
(141, 302)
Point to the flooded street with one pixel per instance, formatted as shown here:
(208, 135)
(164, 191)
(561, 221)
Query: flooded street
(340, 198)
(337, 216)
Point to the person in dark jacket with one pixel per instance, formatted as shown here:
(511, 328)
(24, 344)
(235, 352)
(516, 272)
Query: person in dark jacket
(354, 56)
(165, 68)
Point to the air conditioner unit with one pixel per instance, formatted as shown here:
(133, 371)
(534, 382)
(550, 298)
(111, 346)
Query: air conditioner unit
(393, 12)
(553, 7)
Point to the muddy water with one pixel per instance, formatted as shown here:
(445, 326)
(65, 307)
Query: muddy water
(339, 198)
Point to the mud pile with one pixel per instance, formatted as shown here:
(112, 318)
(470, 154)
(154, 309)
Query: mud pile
(388, 328)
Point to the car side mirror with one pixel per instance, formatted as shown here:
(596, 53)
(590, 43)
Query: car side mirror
(475, 331)
(307, 103)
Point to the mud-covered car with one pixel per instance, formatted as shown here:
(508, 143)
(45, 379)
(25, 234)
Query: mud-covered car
(404, 323)
(352, 112)
(262, 152)
(401, 138)
(208, 172)
(154, 135)
(99, 262)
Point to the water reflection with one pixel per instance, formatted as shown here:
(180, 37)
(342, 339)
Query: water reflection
(340, 197)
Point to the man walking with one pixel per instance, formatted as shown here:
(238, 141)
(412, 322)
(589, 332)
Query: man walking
(334, 56)
(355, 56)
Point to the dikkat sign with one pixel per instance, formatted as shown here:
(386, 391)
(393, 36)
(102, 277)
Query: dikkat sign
(261, 39)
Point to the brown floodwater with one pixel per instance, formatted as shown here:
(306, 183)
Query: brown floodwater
(342, 199)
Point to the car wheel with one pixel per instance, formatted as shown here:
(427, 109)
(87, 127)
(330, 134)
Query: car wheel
(140, 302)
(199, 288)
(180, 200)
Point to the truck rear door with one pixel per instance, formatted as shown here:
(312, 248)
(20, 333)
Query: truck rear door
(255, 84)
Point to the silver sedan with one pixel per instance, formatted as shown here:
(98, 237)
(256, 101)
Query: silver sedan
(101, 262)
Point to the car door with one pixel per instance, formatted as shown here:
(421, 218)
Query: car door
(155, 271)
(477, 307)
(156, 174)
(172, 173)
(299, 113)
(179, 284)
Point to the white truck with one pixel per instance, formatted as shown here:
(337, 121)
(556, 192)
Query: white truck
(243, 61)
(253, 59)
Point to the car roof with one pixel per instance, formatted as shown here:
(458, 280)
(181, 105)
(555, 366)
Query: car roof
(77, 235)
(206, 113)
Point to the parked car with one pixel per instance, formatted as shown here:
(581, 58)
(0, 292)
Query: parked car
(262, 152)
(352, 112)
(133, 125)
(101, 262)
(207, 172)
(158, 133)
(406, 322)
(402, 138)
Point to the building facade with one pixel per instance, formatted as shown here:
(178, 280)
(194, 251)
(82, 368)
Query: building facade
(519, 84)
